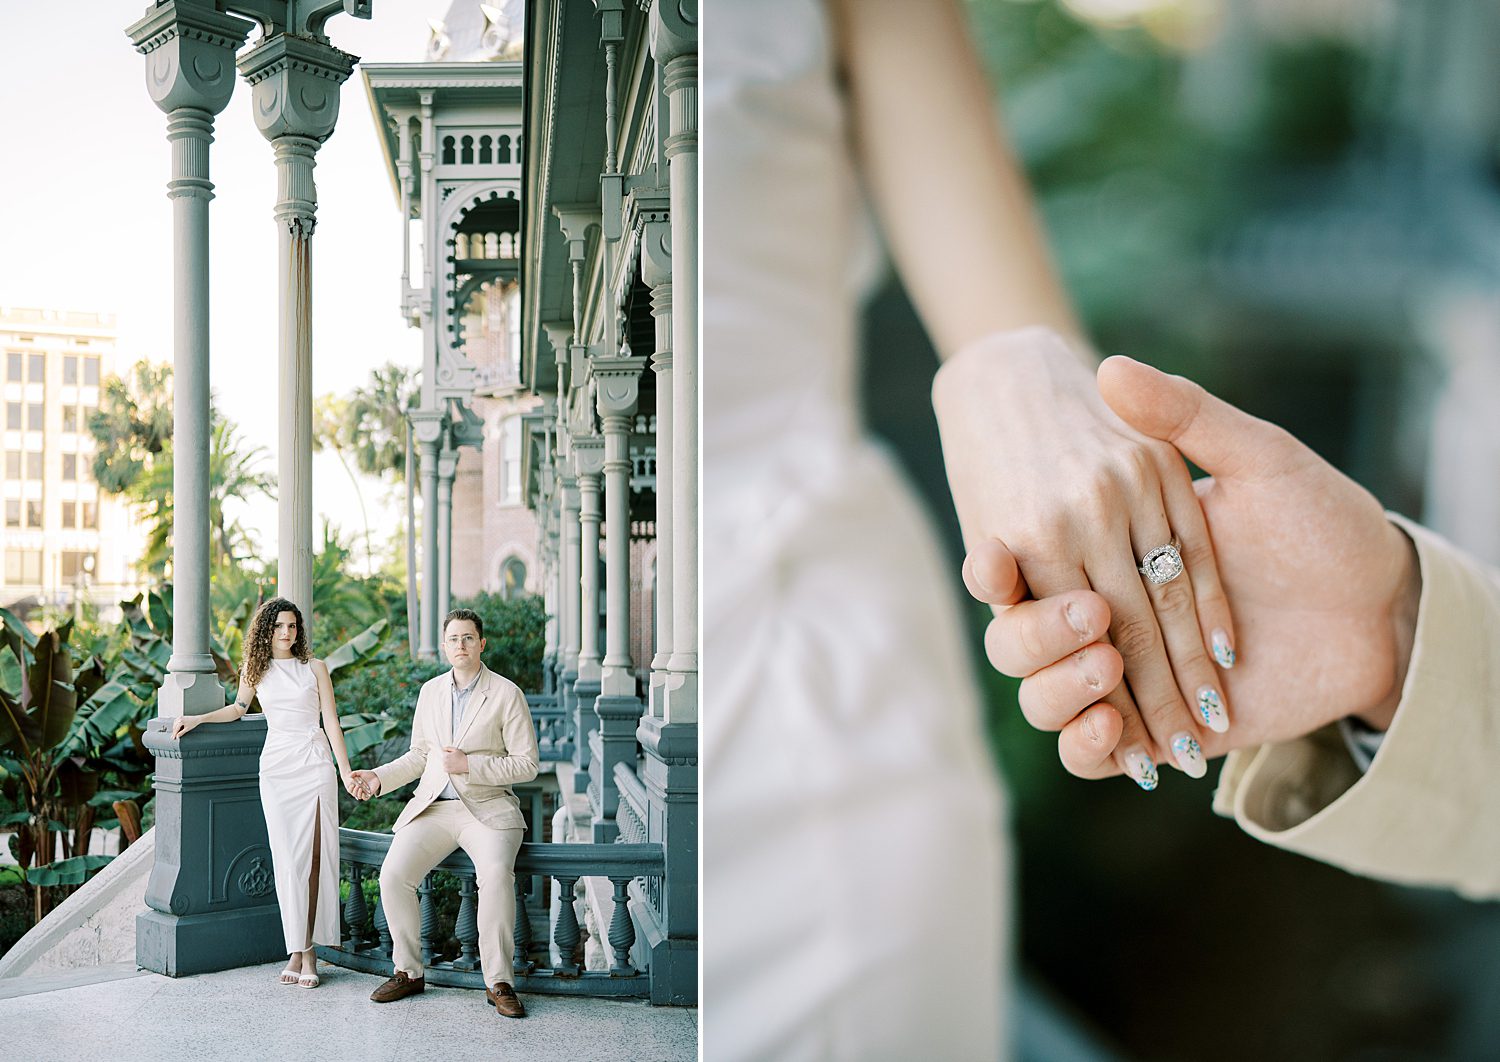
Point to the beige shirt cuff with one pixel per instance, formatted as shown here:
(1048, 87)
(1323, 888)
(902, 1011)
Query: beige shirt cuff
(1427, 812)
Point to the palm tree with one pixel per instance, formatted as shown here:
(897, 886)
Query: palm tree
(232, 473)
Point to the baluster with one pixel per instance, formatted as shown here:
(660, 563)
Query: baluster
(467, 928)
(521, 959)
(429, 920)
(356, 911)
(621, 930)
(382, 929)
(566, 934)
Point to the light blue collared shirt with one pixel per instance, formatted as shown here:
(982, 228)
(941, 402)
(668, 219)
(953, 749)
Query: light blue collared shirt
(459, 705)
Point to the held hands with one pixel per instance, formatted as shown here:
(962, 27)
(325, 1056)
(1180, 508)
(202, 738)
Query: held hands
(1020, 415)
(363, 785)
(1324, 588)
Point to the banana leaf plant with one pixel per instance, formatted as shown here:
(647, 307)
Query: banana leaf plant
(36, 718)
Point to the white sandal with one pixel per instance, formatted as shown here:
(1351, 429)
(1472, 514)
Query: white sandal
(308, 981)
(289, 976)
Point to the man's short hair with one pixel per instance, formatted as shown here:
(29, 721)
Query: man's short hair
(465, 614)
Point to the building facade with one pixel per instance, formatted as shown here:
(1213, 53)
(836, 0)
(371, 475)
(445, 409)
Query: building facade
(64, 540)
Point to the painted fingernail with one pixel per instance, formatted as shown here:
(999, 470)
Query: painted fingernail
(1141, 768)
(1211, 707)
(1223, 651)
(1189, 755)
(1076, 620)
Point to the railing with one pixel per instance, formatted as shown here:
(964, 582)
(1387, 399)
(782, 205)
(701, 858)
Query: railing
(366, 938)
(554, 730)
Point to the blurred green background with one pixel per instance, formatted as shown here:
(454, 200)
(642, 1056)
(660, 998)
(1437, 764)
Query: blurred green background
(1295, 204)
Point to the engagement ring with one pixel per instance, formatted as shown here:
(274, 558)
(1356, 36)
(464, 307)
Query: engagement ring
(1162, 564)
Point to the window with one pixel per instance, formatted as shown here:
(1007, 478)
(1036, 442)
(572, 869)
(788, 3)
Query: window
(13, 512)
(34, 413)
(70, 514)
(13, 465)
(13, 416)
(23, 566)
(70, 368)
(512, 578)
(13, 364)
(38, 367)
(76, 562)
(90, 515)
(70, 418)
(34, 514)
(91, 372)
(70, 466)
(510, 462)
(34, 465)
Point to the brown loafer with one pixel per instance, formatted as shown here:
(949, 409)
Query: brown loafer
(398, 987)
(504, 998)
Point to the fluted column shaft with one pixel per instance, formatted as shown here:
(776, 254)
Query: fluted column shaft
(428, 449)
(681, 83)
(190, 132)
(446, 469)
(589, 514)
(618, 678)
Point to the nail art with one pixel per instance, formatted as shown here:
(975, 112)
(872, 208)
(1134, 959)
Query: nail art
(1141, 768)
(1189, 755)
(1223, 651)
(1211, 707)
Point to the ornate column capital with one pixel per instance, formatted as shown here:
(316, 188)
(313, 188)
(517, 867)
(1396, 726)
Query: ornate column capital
(296, 82)
(189, 49)
(617, 384)
(588, 455)
(674, 29)
(575, 222)
(427, 425)
(656, 252)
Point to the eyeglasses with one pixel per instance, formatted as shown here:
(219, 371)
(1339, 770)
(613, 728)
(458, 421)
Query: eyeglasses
(465, 640)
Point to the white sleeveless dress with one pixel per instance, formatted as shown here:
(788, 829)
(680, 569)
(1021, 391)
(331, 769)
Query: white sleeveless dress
(856, 892)
(298, 788)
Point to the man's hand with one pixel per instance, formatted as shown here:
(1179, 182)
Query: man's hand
(368, 783)
(1323, 587)
(455, 761)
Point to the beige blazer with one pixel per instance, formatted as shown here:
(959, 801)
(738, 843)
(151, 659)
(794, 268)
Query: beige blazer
(495, 732)
(1428, 810)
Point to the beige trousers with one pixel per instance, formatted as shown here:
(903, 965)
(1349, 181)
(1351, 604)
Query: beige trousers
(422, 844)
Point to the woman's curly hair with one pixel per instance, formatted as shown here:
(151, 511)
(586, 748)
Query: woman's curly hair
(258, 639)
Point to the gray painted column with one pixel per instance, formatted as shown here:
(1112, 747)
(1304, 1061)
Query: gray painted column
(588, 457)
(669, 915)
(584, 719)
(295, 84)
(447, 466)
(205, 909)
(617, 394)
(656, 272)
(427, 427)
(674, 42)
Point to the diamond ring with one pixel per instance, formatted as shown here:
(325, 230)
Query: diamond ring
(1162, 564)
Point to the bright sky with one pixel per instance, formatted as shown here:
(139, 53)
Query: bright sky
(85, 223)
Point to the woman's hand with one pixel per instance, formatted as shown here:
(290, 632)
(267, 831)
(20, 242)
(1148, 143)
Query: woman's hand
(184, 723)
(368, 783)
(351, 786)
(1324, 586)
(1039, 463)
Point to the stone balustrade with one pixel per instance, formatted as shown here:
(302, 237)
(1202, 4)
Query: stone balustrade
(450, 951)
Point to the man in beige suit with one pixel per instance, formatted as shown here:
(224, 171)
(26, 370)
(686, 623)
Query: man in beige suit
(471, 740)
(1366, 694)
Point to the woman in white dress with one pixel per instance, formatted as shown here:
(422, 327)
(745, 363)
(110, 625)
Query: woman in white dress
(856, 894)
(297, 789)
